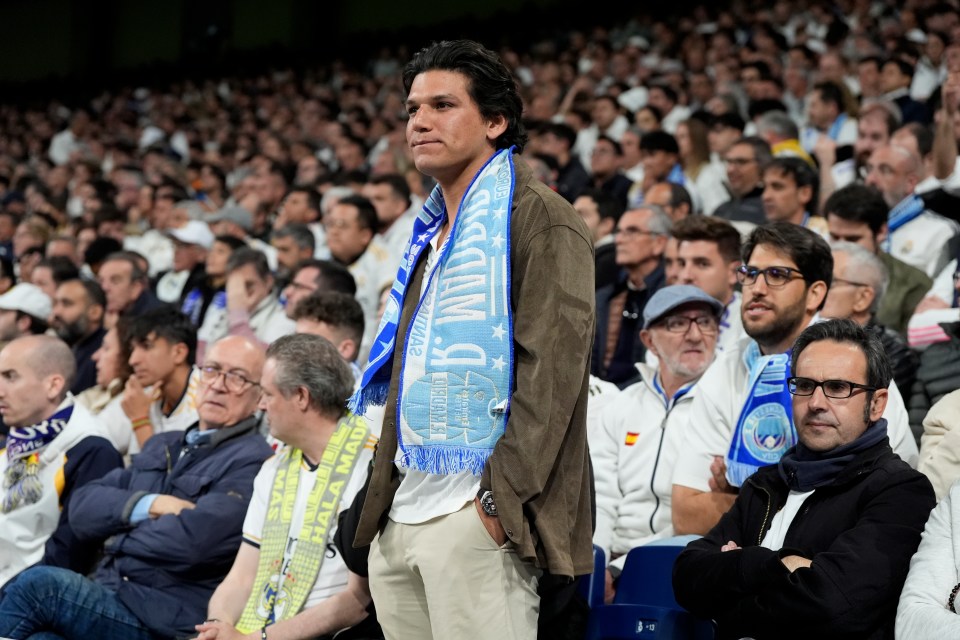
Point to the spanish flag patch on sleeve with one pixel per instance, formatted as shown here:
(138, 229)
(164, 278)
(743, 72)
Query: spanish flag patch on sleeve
(631, 438)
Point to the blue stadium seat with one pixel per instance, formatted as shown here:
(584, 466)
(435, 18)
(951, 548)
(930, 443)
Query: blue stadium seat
(593, 586)
(644, 607)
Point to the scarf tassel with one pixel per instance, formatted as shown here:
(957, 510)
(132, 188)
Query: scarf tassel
(374, 393)
(446, 460)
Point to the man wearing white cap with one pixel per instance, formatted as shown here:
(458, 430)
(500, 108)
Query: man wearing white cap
(190, 245)
(24, 310)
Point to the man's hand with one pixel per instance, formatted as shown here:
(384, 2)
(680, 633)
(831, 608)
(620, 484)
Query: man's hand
(491, 524)
(169, 505)
(136, 401)
(608, 589)
(214, 629)
(239, 298)
(730, 546)
(825, 151)
(792, 563)
(718, 476)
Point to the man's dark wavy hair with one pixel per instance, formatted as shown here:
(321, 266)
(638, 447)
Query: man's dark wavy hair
(492, 86)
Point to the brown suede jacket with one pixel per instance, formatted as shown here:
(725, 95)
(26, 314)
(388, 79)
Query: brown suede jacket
(539, 470)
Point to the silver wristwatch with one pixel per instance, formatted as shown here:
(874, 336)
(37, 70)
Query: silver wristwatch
(486, 502)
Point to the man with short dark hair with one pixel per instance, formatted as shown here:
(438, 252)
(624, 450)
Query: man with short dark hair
(170, 523)
(601, 211)
(337, 317)
(316, 275)
(826, 115)
(294, 243)
(896, 75)
(77, 317)
(558, 140)
(820, 543)
(708, 254)
(163, 345)
(790, 192)
(124, 282)
(858, 214)
(744, 161)
(390, 195)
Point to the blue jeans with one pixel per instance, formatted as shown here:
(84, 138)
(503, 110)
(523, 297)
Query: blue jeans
(44, 603)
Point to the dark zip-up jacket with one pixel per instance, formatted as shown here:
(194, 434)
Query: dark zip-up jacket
(165, 569)
(860, 532)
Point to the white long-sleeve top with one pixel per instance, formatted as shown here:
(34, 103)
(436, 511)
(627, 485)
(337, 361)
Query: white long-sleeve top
(934, 571)
(634, 450)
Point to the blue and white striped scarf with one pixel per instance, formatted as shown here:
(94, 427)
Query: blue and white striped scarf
(457, 372)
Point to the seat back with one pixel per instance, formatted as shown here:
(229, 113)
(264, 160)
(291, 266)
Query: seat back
(593, 585)
(647, 577)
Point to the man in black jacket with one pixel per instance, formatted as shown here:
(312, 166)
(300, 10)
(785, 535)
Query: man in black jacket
(820, 544)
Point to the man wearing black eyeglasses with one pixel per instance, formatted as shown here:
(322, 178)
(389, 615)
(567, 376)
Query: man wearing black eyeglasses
(742, 417)
(820, 543)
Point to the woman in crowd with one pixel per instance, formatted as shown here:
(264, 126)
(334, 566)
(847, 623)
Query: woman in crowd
(212, 290)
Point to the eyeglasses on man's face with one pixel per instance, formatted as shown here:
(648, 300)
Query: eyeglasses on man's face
(773, 276)
(234, 382)
(681, 324)
(838, 389)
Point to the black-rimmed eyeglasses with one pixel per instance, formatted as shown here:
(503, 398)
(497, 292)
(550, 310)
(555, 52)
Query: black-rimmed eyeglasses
(831, 388)
(773, 276)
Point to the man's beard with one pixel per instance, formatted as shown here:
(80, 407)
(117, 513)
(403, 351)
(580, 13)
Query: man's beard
(73, 332)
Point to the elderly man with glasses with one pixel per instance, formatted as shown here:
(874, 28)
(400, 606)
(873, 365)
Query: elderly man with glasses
(640, 240)
(633, 459)
(170, 524)
(818, 545)
(742, 417)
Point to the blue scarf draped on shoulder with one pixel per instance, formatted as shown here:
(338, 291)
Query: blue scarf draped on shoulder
(765, 428)
(457, 372)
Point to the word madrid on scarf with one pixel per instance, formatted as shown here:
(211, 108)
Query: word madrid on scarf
(457, 372)
(287, 572)
(765, 428)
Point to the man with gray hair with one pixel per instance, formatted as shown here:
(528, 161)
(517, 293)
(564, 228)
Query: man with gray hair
(292, 518)
(744, 161)
(782, 134)
(640, 240)
(860, 280)
(53, 448)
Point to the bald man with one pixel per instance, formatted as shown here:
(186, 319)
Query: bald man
(54, 447)
(171, 523)
(916, 235)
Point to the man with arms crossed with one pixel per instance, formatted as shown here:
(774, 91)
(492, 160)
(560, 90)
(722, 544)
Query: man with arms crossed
(818, 545)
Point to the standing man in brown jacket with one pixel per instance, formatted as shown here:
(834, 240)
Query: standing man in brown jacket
(481, 481)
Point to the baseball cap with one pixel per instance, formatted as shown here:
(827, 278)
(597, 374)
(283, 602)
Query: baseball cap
(236, 215)
(194, 232)
(669, 298)
(29, 299)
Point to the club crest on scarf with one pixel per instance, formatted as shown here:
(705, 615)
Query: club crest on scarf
(765, 427)
(453, 399)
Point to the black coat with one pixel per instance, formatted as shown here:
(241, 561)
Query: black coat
(860, 532)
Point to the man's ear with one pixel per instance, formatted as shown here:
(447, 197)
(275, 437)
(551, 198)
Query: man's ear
(863, 299)
(180, 353)
(878, 404)
(816, 294)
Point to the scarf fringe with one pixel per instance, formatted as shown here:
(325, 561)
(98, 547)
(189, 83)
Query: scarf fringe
(374, 393)
(738, 472)
(445, 460)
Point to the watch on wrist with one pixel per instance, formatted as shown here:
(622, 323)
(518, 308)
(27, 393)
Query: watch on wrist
(486, 502)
